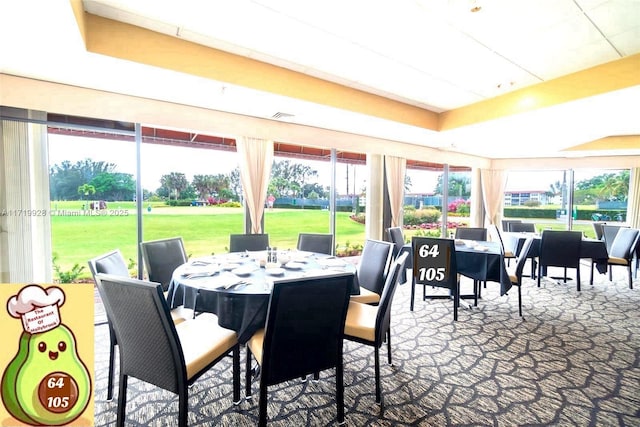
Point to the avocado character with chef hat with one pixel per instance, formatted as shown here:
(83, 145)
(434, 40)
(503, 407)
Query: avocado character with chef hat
(46, 383)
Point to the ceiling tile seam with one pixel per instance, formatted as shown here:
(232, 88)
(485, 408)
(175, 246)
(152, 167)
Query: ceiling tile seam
(598, 29)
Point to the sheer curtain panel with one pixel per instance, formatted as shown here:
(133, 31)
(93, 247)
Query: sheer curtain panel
(395, 168)
(256, 159)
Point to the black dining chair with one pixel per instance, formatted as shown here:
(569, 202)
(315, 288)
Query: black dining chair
(372, 270)
(598, 230)
(522, 227)
(516, 276)
(303, 335)
(471, 233)
(622, 252)
(435, 265)
(507, 222)
(609, 233)
(155, 350)
(396, 236)
(315, 242)
(248, 242)
(560, 248)
(113, 263)
(161, 257)
(371, 325)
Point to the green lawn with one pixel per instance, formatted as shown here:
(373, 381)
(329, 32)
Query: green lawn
(205, 230)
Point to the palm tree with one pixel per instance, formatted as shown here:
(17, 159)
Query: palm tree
(86, 190)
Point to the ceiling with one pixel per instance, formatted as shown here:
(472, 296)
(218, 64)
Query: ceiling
(436, 56)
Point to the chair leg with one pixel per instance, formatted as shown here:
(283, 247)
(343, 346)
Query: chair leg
(539, 273)
(236, 374)
(340, 392)
(262, 404)
(578, 277)
(389, 346)
(112, 356)
(630, 277)
(610, 268)
(247, 373)
(183, 407)
(413, 291)
(122, 401)
(520, 299)
(376, 357)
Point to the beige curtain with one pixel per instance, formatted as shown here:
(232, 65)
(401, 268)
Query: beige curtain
(256, 159)
(493, 184)
(395, 168)
(633, 203)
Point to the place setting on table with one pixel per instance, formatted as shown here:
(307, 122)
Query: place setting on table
(237, 286)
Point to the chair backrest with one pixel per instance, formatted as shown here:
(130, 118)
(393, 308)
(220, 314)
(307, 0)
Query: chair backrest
(597, 228)
(162, 257)
(522, 227)
(506, 222)
(609, 233)
(248, 242)
(560, 248)
(305, 327)
(624, 243)
(383, 318)
(434, 262)
(374, 264)
(471, 233)
(110, 263)
(315, 242)
(397, 238)
(522, 257)
(148, 342)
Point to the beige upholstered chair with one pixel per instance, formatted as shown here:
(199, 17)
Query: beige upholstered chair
(155, 350)
(371, 325)
(372, 270)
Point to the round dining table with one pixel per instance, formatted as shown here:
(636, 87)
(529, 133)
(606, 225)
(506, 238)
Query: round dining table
(237, 286)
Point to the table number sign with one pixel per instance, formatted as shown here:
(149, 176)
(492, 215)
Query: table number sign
(433, 262)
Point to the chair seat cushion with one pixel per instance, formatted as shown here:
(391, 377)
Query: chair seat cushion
(180, 314)
(203, 341)
(366, 297)
(361, 321)
(255, 345)
(509, 254)
(618, 261)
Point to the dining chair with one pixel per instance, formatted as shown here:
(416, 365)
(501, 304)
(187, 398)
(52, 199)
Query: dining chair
(303, 335)
(496, 236)
(155, 350)
(372, 270)
(471, 233)
(435, 265)
(516, 276)
(396, 236)
(161, 257)
(622, 252)
(522, 227)
(371, 325)
(597, 229)
(315, 242)
(248, 242)
(110, 263)
(560, 248)
(609, 233)
(506, 222)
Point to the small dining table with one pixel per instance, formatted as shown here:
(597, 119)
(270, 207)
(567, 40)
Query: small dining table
(237, 289)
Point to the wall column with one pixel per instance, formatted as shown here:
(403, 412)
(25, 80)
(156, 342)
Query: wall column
(375, 193)
(25, 223)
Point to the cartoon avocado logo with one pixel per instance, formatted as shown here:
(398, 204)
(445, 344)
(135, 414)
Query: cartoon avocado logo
(46, 383)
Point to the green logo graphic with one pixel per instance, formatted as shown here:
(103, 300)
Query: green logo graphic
(46, 383)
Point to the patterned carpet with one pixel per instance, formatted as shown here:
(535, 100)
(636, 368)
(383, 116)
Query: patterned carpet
(574, 360)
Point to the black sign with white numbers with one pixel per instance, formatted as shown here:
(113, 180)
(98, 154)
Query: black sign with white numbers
(434, 262)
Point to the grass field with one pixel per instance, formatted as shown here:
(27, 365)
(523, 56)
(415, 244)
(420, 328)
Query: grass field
(205, 230)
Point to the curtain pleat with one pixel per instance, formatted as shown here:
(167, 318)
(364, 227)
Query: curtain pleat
(493, 185)
(395, 168)
(633, 202)
(256, 159)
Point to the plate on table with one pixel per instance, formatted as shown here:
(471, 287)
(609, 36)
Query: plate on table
(294, 265)
(245, 270)
(277, 271)
(332, 262)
